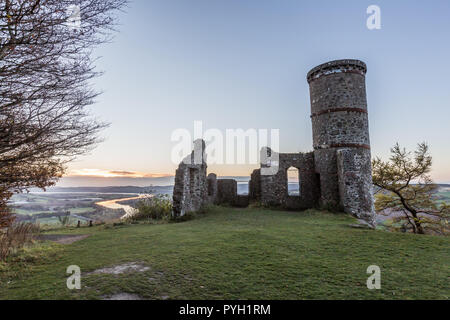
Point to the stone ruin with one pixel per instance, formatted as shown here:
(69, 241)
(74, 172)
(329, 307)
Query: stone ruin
(337, 175)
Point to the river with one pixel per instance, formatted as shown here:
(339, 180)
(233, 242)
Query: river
(113, 204)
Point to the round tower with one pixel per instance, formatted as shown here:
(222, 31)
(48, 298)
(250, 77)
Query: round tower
(340, 122)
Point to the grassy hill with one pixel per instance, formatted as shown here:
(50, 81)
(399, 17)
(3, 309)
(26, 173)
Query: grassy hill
(236, 254)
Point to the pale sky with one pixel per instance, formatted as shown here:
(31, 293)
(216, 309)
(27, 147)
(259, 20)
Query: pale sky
(243, 64)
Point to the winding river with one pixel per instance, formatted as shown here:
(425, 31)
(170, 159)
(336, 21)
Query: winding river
(113, 204)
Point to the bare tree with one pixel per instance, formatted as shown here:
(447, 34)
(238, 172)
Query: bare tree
(46, 66)
(405, 186)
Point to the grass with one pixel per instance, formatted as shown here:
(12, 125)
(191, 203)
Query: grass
(51, 221)
(78, 210)
(81, 210)
(443, 196)
(31, 197)
(29, 212)
(237, 254)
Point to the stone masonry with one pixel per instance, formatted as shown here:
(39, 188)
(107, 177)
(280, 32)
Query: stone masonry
(191, 187)
(336, 175)
(274, 188)
(341, 136)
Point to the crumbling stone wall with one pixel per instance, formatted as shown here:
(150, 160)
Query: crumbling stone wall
(355, 185)
(336, 174)
(212, 188)
(274, 188)
(191, 188)
(226, 191)
(241, 201)
(254, 185)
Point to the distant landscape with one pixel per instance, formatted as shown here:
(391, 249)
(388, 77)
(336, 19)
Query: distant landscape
(78, 202)
(443, 194)
(81, 203)
(191, 151)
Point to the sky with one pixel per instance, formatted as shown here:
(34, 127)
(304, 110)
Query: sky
(243, 63)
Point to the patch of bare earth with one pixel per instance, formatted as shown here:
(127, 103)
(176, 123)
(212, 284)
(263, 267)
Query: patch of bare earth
(128, 268)
(62, 238)
(122, 296)
(123, 268)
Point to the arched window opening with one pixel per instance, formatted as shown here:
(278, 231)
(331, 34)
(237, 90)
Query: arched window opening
(242, 188)
(293, 181)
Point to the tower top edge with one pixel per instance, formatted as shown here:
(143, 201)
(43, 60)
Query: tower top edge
(337, 66)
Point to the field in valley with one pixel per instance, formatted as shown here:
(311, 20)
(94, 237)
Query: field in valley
(80, 203)
(45, 208)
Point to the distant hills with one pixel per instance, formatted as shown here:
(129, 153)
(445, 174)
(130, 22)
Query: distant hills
(93, 181)
(112, 189)
(242, 189)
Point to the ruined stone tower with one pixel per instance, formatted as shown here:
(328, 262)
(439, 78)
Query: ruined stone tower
(341, 135)
(337, 174)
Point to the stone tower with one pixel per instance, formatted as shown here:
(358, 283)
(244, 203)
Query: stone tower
(337, 174)
(341, 136)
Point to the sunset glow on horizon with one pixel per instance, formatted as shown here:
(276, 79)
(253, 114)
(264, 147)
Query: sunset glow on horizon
(195, 65)
(114, 174)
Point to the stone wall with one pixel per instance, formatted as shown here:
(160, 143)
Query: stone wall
(355, 185)
(212, 188)
(337, 174)
(254, 185)
(226, 191)
(274, 188)
(241, 201)
(191, 188)
(326, 167)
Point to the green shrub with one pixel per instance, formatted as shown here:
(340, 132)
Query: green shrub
(157, 207)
